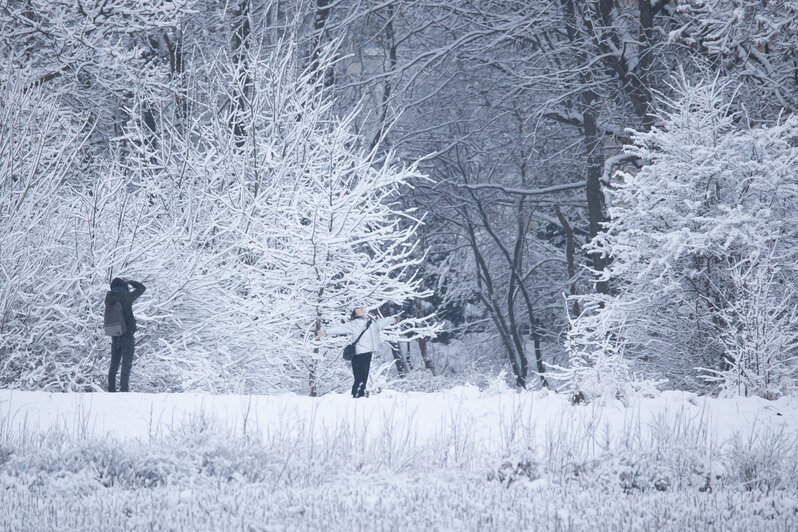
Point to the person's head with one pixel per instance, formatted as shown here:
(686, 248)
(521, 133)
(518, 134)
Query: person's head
(358, 312)
(118, 284)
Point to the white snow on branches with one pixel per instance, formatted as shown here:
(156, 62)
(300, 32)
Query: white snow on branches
(246, 245)
(703, 244)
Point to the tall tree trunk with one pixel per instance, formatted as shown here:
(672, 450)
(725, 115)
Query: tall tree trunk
(422, 343)
(595, 197)
(390, 38)
(642, 90)
(313, 385)
(239, 46)
(402, 366)
(569, 258)
(178, 70)
(591, 138)
(323, 10)
(518, 361)
(517, 282)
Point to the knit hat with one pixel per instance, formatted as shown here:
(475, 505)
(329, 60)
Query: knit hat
(118, 284)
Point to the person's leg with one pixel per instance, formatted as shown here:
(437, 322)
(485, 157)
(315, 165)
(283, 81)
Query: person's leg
(360, 370)
(128, 344)
(116, 356)
(355, 374)
(365, 374)
(360, 378)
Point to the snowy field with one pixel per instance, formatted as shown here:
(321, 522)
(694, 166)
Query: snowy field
(463, 459)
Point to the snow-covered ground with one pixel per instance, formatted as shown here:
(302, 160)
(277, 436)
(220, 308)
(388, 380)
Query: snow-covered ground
(462, 459)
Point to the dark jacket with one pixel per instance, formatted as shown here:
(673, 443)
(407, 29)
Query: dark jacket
(126, 299)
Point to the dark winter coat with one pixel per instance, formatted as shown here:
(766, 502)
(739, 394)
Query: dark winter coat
(126, 299)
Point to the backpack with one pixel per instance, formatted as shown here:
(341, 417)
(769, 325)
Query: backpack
(349, 350)
(114, 320)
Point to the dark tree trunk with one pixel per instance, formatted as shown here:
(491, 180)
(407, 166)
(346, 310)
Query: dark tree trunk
(239, 46)
(402, 366)
(517, 283)
(422, 343)
(569, 258)
(595, 196)
(487, 296)
(594, 151)
(178, 70)
(323, 10)
(390, 38)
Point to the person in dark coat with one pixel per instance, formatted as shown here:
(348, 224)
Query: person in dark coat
(122, 346)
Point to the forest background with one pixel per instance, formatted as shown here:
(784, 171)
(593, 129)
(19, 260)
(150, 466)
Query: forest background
(594, 195)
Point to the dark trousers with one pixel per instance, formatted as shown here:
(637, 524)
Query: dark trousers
(360, 369)
(121, 351)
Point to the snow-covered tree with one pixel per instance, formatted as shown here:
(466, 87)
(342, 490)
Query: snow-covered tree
(97, 54)
(298, 222)
(749, 41)
(703, 247)
(39, 285)
(244, 246)
(760, 340)
(343, 238)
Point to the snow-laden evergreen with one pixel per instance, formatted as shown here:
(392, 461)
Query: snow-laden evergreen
(703, 251)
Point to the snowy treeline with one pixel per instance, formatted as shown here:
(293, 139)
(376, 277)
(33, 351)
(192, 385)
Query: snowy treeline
(598, 192)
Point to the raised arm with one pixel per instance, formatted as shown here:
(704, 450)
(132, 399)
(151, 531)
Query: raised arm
(390, 320)
(340, 330)
(138, 289)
